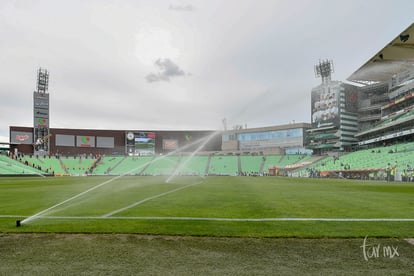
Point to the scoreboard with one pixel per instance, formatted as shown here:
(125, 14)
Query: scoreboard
(140, 143)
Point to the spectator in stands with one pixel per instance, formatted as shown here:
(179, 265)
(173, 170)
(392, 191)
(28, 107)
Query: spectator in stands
(394, 171)
(388, 171)
(404, 175)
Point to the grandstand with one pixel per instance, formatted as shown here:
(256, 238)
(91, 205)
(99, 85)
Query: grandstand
(252, 164)
(76, 165)
(106, 164)
(282, 161)
(371, 163)
(193, 165)
(11, 166)
(223, 165)
(48, 165)
(366, 163)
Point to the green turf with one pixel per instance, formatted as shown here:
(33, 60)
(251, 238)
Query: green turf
(74, 254)
(165, 208)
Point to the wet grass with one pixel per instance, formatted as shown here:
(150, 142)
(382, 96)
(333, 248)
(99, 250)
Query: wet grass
(211, 206)
(152, 238)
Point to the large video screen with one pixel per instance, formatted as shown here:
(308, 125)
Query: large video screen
(144, 143)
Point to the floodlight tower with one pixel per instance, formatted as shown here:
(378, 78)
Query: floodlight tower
(42, 80)
(324, 70)
(41, 132)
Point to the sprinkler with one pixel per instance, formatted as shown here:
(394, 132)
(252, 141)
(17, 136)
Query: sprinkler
(18, 224)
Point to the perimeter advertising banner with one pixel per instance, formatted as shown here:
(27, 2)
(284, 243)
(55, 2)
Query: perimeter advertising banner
(40, 121)
(85, 141)
(19, 137)
(40, 110)
(41, 100)
(169, 144)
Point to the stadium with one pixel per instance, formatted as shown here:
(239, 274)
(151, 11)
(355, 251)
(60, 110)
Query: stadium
(346, 174)
(372, 112)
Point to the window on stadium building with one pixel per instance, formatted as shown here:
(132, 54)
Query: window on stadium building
(229, 137)
(271, 135)
(289, 138)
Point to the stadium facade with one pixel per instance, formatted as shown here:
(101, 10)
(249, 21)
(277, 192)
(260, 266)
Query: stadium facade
(375, 107)
(111, 142)
(283, 139)
(391, 107)
(334, 116)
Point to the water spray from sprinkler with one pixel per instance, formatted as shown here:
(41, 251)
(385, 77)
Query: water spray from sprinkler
(191, 156)
(39, 214)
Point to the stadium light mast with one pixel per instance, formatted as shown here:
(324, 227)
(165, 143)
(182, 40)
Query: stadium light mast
(42, 80)
(324, 70)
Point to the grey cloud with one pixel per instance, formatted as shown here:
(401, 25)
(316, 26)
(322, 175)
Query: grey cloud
(152, 77)
(167, 69)
(187, 8)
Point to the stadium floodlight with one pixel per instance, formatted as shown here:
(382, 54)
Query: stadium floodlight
(324, 70)
(42, 80)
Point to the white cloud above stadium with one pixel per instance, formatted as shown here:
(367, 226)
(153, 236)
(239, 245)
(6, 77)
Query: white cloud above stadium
(182, 64)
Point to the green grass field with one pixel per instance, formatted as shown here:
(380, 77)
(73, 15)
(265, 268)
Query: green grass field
(211, 206)
(208, 226)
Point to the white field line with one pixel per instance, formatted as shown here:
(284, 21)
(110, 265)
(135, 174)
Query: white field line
(69, 199)
(219, 219)
(41, 213)
(12, 216)
(148, 199)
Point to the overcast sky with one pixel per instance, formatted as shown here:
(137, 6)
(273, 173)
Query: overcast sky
(182, 65)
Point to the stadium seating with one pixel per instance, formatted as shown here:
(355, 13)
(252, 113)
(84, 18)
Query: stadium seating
(193, 165)
(252, 164)
(223, 165)
(77, 165)
(130, 165)
(9, 166)
(214, 164)
(373, 158)
(282, 161)
(106, 164)
(395, 119)
(53, 165)
(162, 165)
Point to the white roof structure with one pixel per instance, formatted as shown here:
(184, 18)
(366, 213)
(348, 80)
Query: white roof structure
(396, 57)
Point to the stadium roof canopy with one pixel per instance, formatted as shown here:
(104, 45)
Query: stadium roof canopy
(396, 57)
